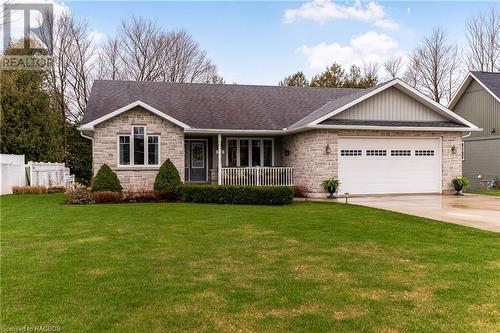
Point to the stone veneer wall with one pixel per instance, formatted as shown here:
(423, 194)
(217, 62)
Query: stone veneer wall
(305, 152)
(137, 178)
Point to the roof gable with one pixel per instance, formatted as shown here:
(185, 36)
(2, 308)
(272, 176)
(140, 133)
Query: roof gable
(490, 81)
(90, 125)
(411, 92)
(391, 104)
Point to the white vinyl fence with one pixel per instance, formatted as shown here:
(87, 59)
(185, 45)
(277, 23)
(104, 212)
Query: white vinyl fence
(49, 174)
(12, 172)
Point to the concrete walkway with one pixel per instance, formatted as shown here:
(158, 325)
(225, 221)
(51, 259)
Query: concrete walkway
(477, 211)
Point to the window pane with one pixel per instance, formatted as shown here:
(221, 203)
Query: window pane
(256, 152)
(268, 152)
(153, 150)
(124, 150)
(231, 153)
(244, 153)
(139, 145)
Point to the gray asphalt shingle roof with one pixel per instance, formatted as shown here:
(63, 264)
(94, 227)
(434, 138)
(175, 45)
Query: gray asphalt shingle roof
(217, 106)
(490, 80)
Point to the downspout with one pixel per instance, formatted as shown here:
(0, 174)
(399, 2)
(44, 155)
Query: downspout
(91, 139)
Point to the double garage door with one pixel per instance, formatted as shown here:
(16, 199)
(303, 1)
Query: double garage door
(385, 165)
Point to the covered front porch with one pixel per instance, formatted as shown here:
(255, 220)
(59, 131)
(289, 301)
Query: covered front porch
(235, 160)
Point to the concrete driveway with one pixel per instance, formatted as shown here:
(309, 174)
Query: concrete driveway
(477, 211)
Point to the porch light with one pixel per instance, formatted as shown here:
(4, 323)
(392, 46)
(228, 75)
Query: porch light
(327, 149)
(453, 149)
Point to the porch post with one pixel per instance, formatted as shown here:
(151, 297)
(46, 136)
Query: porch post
(219, 159)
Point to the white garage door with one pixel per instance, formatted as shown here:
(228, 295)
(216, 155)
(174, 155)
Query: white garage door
(389, 165)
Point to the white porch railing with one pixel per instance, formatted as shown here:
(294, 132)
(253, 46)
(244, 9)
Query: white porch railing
(257, 176)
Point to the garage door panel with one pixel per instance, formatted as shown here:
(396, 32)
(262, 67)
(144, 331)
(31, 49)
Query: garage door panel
(390, 174)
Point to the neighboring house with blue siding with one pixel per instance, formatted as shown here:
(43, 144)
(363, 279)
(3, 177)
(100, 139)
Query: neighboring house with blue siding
(478, 100)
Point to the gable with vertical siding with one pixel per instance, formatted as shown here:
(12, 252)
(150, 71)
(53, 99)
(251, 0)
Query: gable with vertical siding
(480, 108)
(390, 105)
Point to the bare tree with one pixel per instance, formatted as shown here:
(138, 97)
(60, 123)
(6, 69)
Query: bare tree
(142, 46)
(433, 65)
(82, 64)
(371, 69)
(393, 66)
(57, 74)
(108, 61)
(454, 71)
(71, 74)
(483, 37)
(411, 74)
(144, 52)
(188, 62)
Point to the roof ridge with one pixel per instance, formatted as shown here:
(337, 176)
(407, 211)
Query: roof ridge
(228, 84)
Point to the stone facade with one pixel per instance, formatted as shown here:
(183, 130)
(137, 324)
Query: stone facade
(305, 152)
(105, 148)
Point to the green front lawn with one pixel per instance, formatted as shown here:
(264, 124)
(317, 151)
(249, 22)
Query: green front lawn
(192, 267)
(493, 193)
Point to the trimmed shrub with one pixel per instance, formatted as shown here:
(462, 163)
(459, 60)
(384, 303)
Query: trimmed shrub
(168, 177)
(79, 195)
(168, 195)
(231, 194)
(106, 180)
(37, 189)
(141, 196)
(107, 197)
(299, 191)
(56, 189)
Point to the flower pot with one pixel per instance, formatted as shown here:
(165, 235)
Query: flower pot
(459, 188)
(331, 190)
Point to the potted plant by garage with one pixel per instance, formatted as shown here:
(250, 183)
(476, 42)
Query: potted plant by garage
(331, 185)
(460, 183)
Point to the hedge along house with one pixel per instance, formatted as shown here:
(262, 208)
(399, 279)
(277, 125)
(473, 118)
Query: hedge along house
(385, 139)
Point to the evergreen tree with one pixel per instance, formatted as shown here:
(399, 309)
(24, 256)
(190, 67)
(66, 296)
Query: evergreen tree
(28, 124)
(168, 177)
(295, 80)
(332, 77)
(106, 180)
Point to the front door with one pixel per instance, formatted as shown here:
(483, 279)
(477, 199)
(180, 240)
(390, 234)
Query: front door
(196, 161)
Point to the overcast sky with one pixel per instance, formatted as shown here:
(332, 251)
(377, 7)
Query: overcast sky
(261, 42)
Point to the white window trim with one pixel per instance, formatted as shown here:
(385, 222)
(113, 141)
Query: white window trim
(249, 150)
(146, 148)
(118, 150)
(146, 153)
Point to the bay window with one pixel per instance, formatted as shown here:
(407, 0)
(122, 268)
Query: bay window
(138, 148)
(249, 152)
